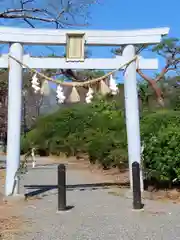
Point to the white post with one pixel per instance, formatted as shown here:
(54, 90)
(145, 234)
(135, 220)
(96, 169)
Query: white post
(132, 112)
(14, 117)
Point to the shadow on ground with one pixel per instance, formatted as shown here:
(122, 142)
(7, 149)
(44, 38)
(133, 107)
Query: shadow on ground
(39, 189)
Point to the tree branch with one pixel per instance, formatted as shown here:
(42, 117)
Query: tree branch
(21, 10)
(163, 72)
(153, 84)
(28, 22)
(26, 16)
(49, 13)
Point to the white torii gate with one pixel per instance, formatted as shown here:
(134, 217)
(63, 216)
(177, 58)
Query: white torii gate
(17, 37)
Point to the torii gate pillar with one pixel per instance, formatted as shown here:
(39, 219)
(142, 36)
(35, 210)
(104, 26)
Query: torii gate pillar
(132, 112)
(14, 117)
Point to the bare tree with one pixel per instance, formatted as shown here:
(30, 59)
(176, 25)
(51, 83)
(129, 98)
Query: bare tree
(31, 103)
(169, 49)
(57, 13)
(51, 13)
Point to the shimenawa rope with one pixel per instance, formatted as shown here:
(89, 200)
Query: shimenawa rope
(76, 84)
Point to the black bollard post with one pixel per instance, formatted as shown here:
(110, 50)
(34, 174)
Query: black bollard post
(61, 187)
(137, 204)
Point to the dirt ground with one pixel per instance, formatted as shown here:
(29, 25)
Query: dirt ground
(10, 222)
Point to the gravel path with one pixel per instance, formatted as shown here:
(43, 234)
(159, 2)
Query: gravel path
(96, 215)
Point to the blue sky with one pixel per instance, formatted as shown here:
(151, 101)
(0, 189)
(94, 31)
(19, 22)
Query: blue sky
(129, 14)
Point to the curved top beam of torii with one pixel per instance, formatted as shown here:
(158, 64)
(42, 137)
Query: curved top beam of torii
(92, 37)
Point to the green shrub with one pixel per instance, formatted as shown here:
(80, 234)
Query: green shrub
(161, 135)
(98, 129)
(152, 122)
(162, 156)
(108, 149)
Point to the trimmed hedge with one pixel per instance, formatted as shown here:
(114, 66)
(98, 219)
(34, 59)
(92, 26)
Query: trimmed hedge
(98, 129)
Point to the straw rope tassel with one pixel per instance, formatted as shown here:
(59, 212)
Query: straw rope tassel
(74, 96)
(104, 88)
(45, 89)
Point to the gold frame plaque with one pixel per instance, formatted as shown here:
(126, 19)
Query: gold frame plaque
(75, 47)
